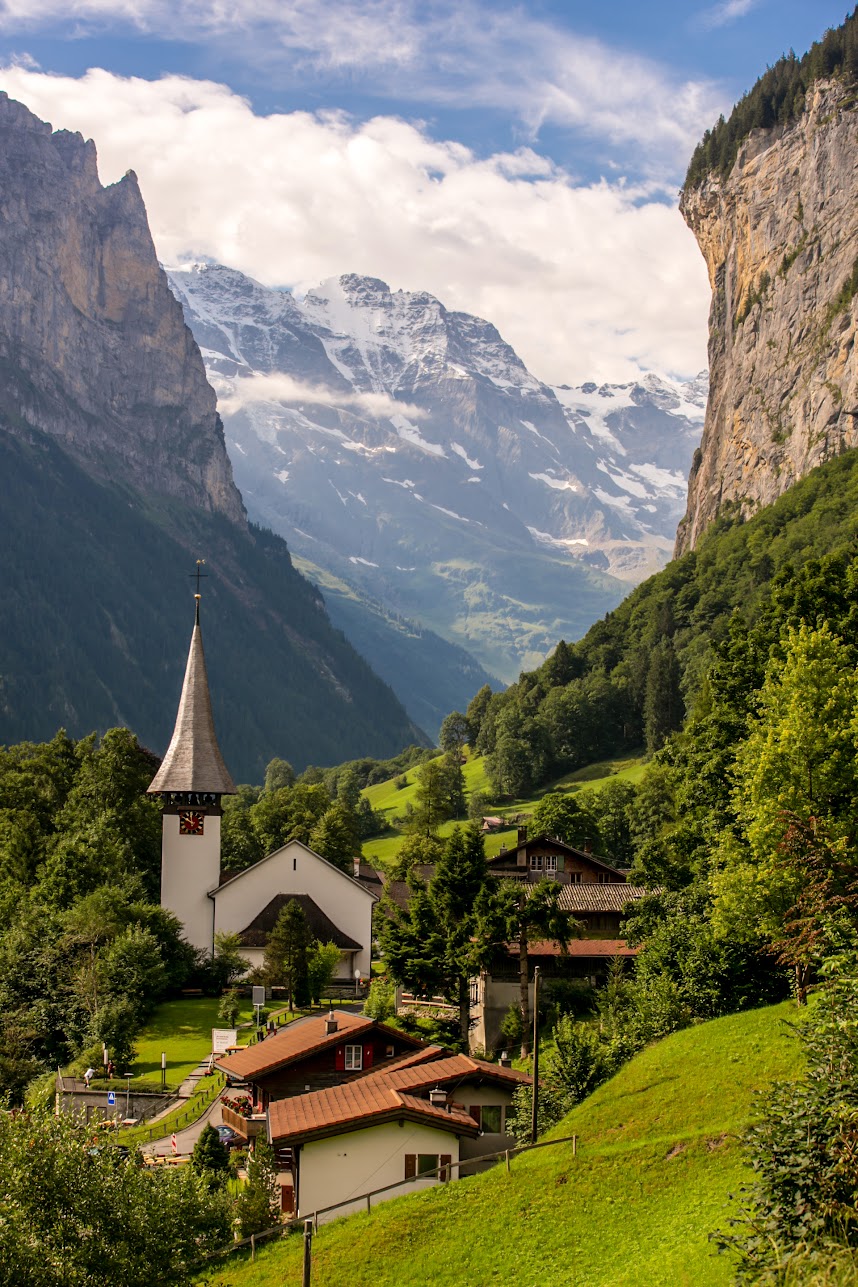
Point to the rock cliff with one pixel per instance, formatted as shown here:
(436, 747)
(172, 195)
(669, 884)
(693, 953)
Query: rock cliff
(780, 239)
(94, 350)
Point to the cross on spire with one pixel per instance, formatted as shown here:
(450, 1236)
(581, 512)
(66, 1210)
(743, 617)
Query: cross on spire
(198, 574)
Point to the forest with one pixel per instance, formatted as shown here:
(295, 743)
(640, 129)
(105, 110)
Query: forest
(778, 98)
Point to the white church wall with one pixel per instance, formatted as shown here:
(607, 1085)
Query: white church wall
(295, 869)
(190, 866)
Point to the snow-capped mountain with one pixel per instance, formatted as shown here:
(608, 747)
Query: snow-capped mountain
(407, 450)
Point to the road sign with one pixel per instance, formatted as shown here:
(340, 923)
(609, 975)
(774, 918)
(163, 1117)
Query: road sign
(111, 1099)
(258, 996)
(174, 1143)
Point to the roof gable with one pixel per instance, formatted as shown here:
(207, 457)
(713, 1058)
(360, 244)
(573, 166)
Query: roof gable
(285, 849)
(355, 1105)
(510, 857)
(301, 1039)
(257, 933)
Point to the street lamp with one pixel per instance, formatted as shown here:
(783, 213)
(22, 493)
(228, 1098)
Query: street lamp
(127, 1077)
(357, 983)
(163, 1070)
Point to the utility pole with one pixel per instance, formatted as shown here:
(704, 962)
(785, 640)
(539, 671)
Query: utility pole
(535, 1103)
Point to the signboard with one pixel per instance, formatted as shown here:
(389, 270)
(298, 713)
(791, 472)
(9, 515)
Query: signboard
(258, 996)
(222, 1039)
(111, 1099)
(174, 1145)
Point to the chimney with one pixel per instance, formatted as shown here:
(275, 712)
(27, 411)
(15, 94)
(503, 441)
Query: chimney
(522, 835)
(357, 866)
(331, 1024)
(505, 1061)
(438, 1097)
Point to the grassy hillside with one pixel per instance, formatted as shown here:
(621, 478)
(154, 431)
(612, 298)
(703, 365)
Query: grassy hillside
(390, 799)
(656, 1162)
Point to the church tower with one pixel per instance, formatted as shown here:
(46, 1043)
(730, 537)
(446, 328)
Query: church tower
(191, 781)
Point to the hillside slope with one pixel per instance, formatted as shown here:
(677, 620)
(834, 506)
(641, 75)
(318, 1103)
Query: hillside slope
(656, 1162)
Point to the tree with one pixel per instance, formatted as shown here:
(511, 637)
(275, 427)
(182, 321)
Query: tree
(455, 733)
(74, 1216)
(322, 962)
(475, 714)
(559, 814)
(229, 1008)
(512, 912)
(258, 1206)
(435, 947)
(285, 961)
(663, 704)
(229, 964)
(210, 1158)
(440, 794)
(335, 836)
(610, 811)
(279, 773)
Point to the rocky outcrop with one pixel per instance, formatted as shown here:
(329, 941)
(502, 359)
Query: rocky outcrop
(780, 239)
(93, 346)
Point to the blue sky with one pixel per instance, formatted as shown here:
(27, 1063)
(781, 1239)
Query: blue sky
(519, 160)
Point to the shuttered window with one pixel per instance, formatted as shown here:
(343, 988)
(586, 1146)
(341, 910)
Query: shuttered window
(354, 1058)
(475, 1111)
(410, 1165)
(367, 1056)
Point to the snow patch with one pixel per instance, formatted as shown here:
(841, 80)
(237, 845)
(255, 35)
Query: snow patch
(410, 433)
(460, 451)
(355, 558)
(561, 542)
(559, 484)
(283, 475)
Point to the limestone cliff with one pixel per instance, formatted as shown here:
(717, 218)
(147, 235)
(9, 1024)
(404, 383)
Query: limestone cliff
(780, 239)
(93, 347)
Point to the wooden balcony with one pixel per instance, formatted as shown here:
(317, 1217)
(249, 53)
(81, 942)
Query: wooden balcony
(248, 1127)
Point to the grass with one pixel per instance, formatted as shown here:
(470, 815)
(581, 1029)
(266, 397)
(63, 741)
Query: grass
(183, 1115)
(182, 1029)
(390, 799)
(657, 1160)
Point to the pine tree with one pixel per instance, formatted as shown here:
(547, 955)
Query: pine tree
(210, 1158)
(285, 962)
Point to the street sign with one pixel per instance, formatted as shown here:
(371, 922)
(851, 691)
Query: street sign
(174, 1143)
(111, 1099)
(258, 996)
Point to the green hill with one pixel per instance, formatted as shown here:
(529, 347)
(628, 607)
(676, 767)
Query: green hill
(657, 1159)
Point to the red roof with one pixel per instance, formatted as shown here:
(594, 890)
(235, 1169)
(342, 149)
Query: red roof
(300, 1039)
(445, 1069)
(579, 947)
(367, 1101)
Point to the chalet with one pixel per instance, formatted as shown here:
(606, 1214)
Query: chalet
(546, 856)
(396, 1124)
(308, 1055)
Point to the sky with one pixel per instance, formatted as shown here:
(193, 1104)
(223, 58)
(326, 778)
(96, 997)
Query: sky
(520, 161)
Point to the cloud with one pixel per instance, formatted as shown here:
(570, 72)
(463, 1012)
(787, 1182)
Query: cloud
(453, 52)
(728, 11)
(595, 281)
(257, 388)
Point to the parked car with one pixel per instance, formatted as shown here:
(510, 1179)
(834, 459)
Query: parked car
(230, 1138)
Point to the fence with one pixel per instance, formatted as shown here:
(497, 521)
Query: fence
(177, 1119)
(300, 1222)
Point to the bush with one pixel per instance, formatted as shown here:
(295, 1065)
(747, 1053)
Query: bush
(380, 1003)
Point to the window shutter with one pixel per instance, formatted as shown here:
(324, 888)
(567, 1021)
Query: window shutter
(444, 1160)
(410, 1165)
(340, 1058)
(475, 1112)
(367, 1055)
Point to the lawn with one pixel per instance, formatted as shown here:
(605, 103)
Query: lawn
(182, 1029)
(390, 799)
(657, 1160)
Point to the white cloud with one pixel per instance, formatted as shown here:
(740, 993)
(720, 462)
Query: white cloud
(728, 11)
(456, 52)
(592, 281)
(283, 388)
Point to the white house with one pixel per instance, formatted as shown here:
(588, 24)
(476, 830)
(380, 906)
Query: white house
(191, 781)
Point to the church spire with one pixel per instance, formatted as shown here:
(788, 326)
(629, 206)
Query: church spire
(193, 761)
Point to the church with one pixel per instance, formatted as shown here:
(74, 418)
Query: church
(192, 781)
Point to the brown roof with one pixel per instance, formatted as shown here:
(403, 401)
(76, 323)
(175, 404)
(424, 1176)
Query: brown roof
(321, 926)
(594, 897)
(580, 947)
(356, 1104)
(445, 1069)
(193, 761)
(400, 891)
(299, 1040)
(368, 877)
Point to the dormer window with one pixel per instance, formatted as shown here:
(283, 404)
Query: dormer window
(354, 1058)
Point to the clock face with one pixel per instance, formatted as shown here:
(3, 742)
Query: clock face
(191, 824)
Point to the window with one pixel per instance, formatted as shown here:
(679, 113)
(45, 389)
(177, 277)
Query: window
(574, 878)
(424, 1164)
(492, 1118)
(536, 862)
(354, 1058)
(389, 1051)
(604, 878)
(427, 1163)
(551, 862)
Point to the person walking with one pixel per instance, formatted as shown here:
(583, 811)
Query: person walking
(88, 1076)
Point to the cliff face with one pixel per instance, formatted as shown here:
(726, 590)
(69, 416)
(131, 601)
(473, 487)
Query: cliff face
(94, 350)
(780, 239)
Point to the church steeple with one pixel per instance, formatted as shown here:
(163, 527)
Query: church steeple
(193, 762)
(191, 781)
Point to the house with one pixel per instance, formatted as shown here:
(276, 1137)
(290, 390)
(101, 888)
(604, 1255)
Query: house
(399, 1123)
(192, 781)
(311, 1054)
(546, 856)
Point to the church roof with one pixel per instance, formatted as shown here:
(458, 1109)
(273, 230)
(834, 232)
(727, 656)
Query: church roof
(193, 761)
(321, 926)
